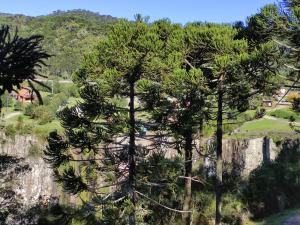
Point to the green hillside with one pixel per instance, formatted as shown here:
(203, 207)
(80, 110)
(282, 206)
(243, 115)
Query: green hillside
(68, 35)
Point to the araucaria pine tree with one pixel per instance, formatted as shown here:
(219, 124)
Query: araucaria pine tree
(99, 153)
(20, 59)
(235, 72)
(179, 106)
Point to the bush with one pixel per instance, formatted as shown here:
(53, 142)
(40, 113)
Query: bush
(46, 117)
(43, 114)
(275, 186)
(292, 96)
(29, 110)
(233, 209)
(18, 106)
(285, 114)
(20, 122)
(296, 104)
(10, 130)
(7, 100)
(71, 91)
(260, 113)
(26, 129)
(56, 101)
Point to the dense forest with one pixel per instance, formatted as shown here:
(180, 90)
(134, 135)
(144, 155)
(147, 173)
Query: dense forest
(67, 35)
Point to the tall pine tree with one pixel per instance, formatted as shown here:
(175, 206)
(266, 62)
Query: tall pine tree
(99, 149)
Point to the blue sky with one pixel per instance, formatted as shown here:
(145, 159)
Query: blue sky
(179, 11)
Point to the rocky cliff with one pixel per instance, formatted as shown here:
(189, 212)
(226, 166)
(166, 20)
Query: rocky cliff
(243, 156)
(249, 154)
(37, 183)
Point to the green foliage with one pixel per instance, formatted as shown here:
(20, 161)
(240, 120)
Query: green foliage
(260, 113)
(95, 126)
(43, 114)
(29, 110)
(234, 212)
(6, 100)
(18, 106)
(67, 35)
(285, 114)
(275, 185)
(10, 130)
(23, 58)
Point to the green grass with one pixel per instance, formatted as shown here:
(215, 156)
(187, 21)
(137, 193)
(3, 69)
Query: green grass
(32, 126)
(265, 125)
(285, 113)
(276, 219)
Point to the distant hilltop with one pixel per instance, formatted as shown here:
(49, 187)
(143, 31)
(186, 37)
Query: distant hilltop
(82, 12)
(68, 35)
(62, 12)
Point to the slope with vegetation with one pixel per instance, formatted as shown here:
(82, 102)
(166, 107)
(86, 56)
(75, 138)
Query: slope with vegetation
(67, 35)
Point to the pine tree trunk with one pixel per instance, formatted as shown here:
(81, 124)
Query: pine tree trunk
(131, 154)
(219, 163)
(187, 202)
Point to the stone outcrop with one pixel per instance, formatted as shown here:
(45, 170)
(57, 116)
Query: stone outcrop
(34, 185)
(38, 183)
(246, 155)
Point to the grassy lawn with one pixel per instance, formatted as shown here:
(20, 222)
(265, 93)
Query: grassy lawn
(33, 126)
(277, 219)
(264, 125)
(285, 113)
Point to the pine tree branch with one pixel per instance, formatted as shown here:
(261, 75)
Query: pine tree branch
(286, 46)
(291, 67)
(166, 207)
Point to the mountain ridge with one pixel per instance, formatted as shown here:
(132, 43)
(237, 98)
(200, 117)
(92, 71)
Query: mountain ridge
(68, 35)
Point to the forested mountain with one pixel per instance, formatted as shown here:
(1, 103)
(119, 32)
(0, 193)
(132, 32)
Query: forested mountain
(68, 34)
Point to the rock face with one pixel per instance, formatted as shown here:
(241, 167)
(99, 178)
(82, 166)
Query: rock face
(246, 155)
(37, 183)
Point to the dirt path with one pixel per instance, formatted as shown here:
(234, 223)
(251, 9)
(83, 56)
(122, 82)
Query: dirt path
(295, 220)
(10, 115)
(270, 117)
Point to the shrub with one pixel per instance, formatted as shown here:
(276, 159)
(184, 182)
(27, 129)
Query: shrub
(18, 106)
(20, 123)
(56, 101)
(260, 112)
(46, 117)
(10, 130)
(71, 91)
(275, 185)
(26, 129)
(7, 100)
(29, 110)
(285, 114)
(296, 104)
(290, 97)
(233, 209)
(43, 114)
